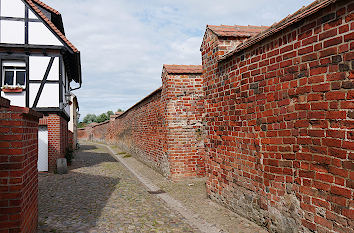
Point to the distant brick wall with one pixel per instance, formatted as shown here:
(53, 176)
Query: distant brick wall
(18, 168)
(58, 138)
(99, 131)
(164, 130)
(83, 133)
(279, 124)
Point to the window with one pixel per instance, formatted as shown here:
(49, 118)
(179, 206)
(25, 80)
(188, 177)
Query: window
(14, 74)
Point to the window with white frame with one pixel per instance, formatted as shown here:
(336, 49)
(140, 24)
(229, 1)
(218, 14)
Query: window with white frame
(14, 74)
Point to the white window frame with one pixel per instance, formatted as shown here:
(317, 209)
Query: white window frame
(13, 66)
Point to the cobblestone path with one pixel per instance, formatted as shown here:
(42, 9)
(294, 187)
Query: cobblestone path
(100, 195)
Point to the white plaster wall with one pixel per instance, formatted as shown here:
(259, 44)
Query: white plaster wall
(49, 97)
(12, 8)
(34, 87)
(54, 72)
(17, 99)
(39, 34)
(38, 67)
(12, 32)
(31, 15)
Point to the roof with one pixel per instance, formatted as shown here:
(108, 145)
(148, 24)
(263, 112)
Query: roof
(33, 6)
(45, 6)
(183, 69)
(236, 30)
(284, 23)
(72, 56)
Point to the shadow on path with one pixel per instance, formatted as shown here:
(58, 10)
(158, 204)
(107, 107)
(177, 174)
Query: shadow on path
(73, 202)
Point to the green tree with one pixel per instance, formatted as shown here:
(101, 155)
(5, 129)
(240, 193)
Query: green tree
(109, 113)
(101, 118)
(89, 118)
(120, 110)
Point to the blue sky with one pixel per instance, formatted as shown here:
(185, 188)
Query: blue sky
(124, 43)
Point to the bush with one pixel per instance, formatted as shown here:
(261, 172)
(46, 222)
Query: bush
(69, 155)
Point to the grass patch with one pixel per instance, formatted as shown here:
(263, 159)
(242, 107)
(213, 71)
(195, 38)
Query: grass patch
(127, 156)
(122, 153)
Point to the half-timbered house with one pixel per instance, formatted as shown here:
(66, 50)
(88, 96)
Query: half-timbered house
(38, 68)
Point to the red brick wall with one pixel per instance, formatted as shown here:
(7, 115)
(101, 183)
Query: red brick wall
(83, 133)
(58, 140)
(164, 130)
(99, 131)
(18, 169)
(279, 124)
(184, 106)
(141, 131)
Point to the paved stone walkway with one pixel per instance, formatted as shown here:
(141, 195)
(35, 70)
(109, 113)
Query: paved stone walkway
(100, 195)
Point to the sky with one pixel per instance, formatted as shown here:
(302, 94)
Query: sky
(124, 43)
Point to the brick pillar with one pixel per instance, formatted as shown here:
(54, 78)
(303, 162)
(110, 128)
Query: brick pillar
(18, 168)
(57, 138)
(183, 99)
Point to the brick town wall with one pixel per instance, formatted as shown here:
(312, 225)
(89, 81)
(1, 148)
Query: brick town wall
(99, 131)
(164, 130)
(83, 133)
(141, 131)
(18, 169)
(184, 102)
(279, 124)
(58, 138)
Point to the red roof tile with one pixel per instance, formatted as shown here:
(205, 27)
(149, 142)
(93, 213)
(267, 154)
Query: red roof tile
(50, 24)
(236, 30)
(284, 23)
(183, 69)
(45, 6)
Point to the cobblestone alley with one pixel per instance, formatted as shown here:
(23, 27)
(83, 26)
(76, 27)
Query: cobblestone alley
(99, 194)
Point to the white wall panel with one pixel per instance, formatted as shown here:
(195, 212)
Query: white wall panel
(31, 15)
(39, 34)
(54, 71)
(12, 32)
(34, 87)
(17, 99)
(12, 8)
(50, 96)
(37, 67)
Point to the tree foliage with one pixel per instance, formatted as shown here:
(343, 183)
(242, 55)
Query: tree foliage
(89, 118)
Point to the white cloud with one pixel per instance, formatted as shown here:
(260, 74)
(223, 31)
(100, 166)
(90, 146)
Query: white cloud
(123, 43)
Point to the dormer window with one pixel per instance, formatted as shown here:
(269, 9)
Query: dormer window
(14, 74)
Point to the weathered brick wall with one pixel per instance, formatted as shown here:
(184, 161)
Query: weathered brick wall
(99, 131)
(18, 168)
(83, 133)
(279, 124)
(165, 129)
(141, 132)
(58, 138)
(184, 102)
